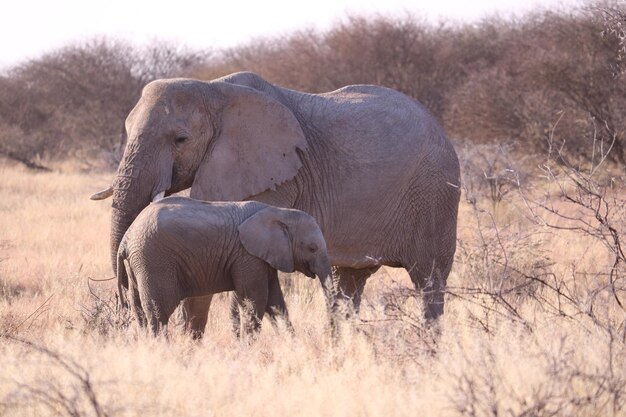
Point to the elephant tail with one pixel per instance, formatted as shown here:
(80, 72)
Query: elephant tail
(133, 290)
(127, 285)
(122, 277)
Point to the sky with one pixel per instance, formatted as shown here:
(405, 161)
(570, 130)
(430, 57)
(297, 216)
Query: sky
(29, 28)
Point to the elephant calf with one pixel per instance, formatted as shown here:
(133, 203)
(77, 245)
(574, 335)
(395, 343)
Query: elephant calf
(179, 247)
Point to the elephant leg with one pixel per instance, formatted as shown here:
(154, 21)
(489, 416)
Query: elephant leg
(351, 283)
(432, 284)
(159, 302)
(252, 296)
(156, 318)
(135, 300)
(195, 313)
(276, 306)
(252, 311)
(235, 317)
(133, 294)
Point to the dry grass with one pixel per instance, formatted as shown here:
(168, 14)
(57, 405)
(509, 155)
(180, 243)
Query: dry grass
(66, 352)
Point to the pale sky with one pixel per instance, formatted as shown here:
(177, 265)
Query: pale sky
(29, 28)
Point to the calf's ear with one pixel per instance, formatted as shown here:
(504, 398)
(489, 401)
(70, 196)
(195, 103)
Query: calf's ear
(267, 237)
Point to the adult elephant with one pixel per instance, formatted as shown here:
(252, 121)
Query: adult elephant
(371, 165)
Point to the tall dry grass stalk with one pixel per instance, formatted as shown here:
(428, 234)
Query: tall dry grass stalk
(508, 344)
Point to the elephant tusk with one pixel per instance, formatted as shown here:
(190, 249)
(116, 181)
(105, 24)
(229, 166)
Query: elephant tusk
(158, 197)
(102, 195)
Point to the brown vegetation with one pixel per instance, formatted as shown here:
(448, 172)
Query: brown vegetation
(557, 75)
(72, 103)
(534, 324)
(535, 321)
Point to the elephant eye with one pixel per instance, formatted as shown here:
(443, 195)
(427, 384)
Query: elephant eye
(313, 248)
(180, 140)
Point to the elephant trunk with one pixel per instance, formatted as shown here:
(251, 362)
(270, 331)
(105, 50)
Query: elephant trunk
(325, 274)
(133, 189)
(126, 207)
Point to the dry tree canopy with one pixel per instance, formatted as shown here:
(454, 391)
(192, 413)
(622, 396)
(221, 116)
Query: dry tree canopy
(535, 321)
(73, 101)
(555, 75)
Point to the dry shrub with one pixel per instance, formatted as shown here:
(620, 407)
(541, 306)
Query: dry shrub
(491, 171)
(563, 372)
(555, 78)
(10, 290)
(394, 324)
(519, 82)
(72, 102)
(547, 74)
(46, 396)
(615, 19)
(404, 53)
(103, 313)
(590, 202)
(508, 261)
(518, 336)
(555, 322)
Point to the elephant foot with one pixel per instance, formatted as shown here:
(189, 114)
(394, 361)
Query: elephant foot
(351, 283)
(195, 314)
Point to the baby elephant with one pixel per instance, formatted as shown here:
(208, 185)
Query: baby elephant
(180, 247)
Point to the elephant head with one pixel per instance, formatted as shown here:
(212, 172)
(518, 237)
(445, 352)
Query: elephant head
(225, 141)
(290, 240)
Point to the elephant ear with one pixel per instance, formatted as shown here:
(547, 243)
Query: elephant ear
(265, 236)
(255, 149)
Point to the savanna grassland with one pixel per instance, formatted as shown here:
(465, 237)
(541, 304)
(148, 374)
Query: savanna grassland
(535, 316)
(532, 325)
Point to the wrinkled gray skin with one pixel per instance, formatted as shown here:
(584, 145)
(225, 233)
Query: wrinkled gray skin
(371, 165)
(180, 247)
